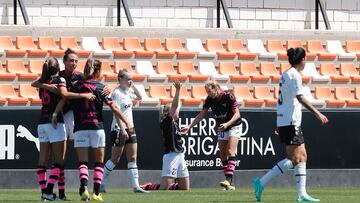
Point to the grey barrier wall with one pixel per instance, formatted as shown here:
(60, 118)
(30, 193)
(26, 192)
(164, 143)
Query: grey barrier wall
(333, 146)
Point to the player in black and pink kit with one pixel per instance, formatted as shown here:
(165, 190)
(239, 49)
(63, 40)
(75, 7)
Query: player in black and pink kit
(174, 165)
(89, 126)
(66, 77)
(226, 112)
(52, 138)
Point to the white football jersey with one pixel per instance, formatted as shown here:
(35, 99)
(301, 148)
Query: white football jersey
(123, 98)
(288, 107)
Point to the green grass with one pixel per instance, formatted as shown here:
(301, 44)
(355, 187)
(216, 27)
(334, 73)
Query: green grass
(212, 195)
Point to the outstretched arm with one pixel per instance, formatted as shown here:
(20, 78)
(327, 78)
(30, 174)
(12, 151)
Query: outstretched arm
(72, 95)
(175, 106)
(50, 87)
(197, 119)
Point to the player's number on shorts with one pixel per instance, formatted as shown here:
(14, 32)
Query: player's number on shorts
(222, 134)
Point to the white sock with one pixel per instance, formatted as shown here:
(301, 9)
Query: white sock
(109, 166)
(300, 176)
(133, 174)
(278, 169)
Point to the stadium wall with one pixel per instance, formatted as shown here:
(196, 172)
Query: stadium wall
(344, 15)
(330, 148)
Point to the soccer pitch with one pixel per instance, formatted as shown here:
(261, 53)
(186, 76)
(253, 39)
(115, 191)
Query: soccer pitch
(347, 195)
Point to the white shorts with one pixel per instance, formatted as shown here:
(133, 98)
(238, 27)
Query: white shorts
(47, 133)
(69, 124)
(174, 165)
(234, 131)
(90, 138)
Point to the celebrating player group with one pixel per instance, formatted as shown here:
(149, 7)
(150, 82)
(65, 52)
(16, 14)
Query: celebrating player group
(72, 105)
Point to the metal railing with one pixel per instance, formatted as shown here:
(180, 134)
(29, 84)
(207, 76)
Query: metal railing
(127, 12)
(226, 13)
(23, 11)
(320, 4)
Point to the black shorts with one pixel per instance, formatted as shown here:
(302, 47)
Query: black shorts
(116, 138)
(291, 135)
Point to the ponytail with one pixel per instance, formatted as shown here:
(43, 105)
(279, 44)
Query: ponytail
(50, 68)
(92, 66)
(296, 55)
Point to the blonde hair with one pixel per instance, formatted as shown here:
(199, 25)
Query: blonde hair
(92, 66)
(212, 85)
(122, 73)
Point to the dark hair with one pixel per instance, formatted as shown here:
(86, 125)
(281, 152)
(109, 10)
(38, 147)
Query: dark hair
(295, 55)
(122, 73)
(68, 51)
(92, 66)
(50, 67)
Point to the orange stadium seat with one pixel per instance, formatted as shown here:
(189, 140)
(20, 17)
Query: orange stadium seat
(276, 46)
(113, 44)
(296, 44)
(329, 69)
(7, 91)
(344, 94)
(198, 92)
(269, 69)
(242, 93)
(166, 67)
(324, 93)
(174, 44)
(215, 45)
(18, 67)
(249, 69)
(10, 50)
(35, 66)
(71, 42)
(263, 92)
(349, 70)
(26, 43)
(4, 74)
(185, 97)
(159, 91)
(236, 45)
(315, 46)
(357, 93)
(29, 92)
(353, 46)
(133, 44)
(48, 43)
(154, 44)
(107, 72)
(284, 67)
(228, 68)
(126, 65)
(187, 68)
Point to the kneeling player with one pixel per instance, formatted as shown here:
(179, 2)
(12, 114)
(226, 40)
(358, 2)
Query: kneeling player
(174, 166)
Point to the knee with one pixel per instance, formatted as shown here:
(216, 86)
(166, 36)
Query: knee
(299, 158)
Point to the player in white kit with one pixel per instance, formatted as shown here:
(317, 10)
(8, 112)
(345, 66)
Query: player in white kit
(289, 106)
(122, 137)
